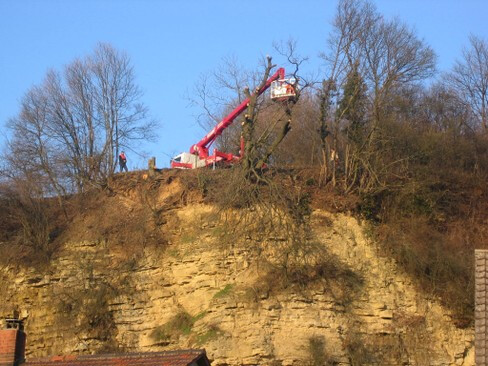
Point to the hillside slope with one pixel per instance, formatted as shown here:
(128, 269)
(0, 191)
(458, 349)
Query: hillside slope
(145, 268)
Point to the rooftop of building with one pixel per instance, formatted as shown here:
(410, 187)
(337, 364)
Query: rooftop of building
(190, 357)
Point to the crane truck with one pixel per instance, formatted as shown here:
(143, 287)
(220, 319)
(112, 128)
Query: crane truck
(198, 157)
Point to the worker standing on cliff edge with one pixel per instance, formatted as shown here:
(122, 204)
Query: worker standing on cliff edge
(123, 162)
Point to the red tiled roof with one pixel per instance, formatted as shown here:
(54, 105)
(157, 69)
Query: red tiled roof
(169, 358)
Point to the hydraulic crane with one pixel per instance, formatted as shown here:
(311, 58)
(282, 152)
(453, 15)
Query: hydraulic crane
(198, 156)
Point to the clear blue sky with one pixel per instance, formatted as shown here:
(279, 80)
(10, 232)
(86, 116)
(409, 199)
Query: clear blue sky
(171, 42)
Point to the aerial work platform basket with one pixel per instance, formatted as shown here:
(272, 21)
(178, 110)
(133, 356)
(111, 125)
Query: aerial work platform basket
(283, 89)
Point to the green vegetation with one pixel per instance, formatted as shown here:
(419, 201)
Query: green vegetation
(359, 351)
(199, 316)
(188, 238)
(317, 353)
(174, 253)
(180, 324)
(226, 291)
(211, 334)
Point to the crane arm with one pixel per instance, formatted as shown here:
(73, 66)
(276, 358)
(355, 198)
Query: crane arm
(201, 147)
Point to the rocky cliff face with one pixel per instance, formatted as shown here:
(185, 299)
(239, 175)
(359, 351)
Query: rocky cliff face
(200, 293)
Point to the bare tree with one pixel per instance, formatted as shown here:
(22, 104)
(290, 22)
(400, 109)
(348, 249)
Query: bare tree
(264, 125)
(439, 108)
(394, 57)
(216, 94)
(117, 103)
(29, 216)
(470, 78)
(385, 55)
(258, 150)
(283, 123)
(72, 127)
(302, 146)
(249, 123)
(344, 53)
(31, 150)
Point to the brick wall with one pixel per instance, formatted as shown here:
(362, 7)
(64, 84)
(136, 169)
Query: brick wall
(481, 303)
(12, 347)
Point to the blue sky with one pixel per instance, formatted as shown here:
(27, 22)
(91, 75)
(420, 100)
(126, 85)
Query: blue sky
(172, 42)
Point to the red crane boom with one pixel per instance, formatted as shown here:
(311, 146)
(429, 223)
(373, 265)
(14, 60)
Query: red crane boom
(199, 152)
(201, 147)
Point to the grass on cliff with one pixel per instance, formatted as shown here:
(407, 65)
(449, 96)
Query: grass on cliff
(318, 354)
(224, 292)
(212, 333)
(182, 324)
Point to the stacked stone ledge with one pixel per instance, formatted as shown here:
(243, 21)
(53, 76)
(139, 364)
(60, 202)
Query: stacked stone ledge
(481, 302)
